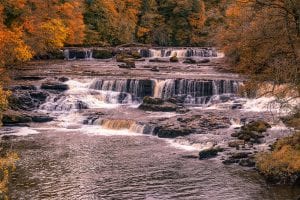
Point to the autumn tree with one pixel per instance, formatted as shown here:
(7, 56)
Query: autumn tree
(262, 40)
(111, 22)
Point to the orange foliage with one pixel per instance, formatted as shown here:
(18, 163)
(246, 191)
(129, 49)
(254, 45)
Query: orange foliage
(71, 14)
(284, 160)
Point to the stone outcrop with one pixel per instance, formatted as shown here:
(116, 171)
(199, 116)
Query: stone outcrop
(27, 100)
(15, 118)
(157, 104)
(252, 132)
(56, 86)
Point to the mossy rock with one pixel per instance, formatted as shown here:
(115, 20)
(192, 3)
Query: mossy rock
(174, 59)
(14, 117)
(209, 153)
(154, 101)
(124, 57)
(135, 55)
(259, 126)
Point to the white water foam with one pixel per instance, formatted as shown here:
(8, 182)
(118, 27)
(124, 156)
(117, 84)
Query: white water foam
(184, 144)
(269, 104)
(19, 131)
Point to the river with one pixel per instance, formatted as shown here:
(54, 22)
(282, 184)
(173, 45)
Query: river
(101, 146)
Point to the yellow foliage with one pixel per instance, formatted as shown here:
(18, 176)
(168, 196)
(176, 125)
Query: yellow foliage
(11, 44)
(3, 98)
(7, 164)
(143, 31)
(48, 36)
(71, 15)
(284, 160)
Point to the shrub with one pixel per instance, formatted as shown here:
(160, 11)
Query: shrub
(283, 163)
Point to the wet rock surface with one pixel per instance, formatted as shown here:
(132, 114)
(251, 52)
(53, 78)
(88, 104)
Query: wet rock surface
(27, 100)
(157, 104)
(56, 86)
(252, 132)
(209, 153)
(21, 118)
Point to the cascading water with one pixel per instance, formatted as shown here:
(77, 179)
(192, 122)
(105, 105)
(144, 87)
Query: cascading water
(121, 124)
(87, 53)
(192, 91)
(83, 54)
(181, 53)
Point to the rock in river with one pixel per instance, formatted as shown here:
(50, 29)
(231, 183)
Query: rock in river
(57, 86)
(157, 104)
(209, 153)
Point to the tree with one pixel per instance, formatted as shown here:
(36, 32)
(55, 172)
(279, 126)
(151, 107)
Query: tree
(262, 40)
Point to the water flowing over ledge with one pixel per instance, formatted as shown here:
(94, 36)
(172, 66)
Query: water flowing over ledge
(184, 52)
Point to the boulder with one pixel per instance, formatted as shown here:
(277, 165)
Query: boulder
(174, 59)
(23, 87)
(164, 107)
(166, 132)
(151, 100)
(128, 64)
(80, 105)
(236, 143)
(57, 86)
(203, 61)
(39, 118)
(259, 126)
(135, 54)
(157, 104)
(252, 131)
(242, 158)
(39, 95)
(240, 155)
(209, 153)
(13, 117)
(236, 106)
(27, 100)
(63, 79)
(247, 162)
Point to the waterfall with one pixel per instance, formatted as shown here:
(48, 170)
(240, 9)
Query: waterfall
(204, 52)
(180, 53)
(121, 124)
(83, 54)
(100, 93)
(155, 53)
(137, 88)
(191, 91)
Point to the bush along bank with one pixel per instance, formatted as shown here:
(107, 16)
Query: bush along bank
(282, 164)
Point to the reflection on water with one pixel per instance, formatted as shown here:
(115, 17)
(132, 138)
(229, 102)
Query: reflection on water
(78, 166)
